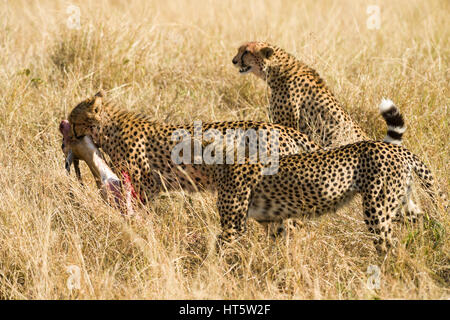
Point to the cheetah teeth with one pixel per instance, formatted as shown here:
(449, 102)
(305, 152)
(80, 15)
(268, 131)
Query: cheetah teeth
(245, 70)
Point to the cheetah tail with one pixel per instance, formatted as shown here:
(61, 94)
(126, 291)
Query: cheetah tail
(394, 120)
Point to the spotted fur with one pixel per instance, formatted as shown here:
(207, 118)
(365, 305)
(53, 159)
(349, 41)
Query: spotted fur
(311, 184)
(299, 97)
(315, 183)
(140, 148)
(307, 184)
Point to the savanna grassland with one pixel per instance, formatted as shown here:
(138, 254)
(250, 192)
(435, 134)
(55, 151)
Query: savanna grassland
(172, 61)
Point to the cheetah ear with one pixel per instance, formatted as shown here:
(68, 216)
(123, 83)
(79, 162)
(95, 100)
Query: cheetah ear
(98, 101)
(266, 52)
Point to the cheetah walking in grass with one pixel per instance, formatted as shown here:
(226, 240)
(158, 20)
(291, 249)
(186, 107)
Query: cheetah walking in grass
(306, 184)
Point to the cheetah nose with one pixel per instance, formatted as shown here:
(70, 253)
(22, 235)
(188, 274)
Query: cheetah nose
(234, 61)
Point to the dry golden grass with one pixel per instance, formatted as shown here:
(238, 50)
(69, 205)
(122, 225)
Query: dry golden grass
(172, 60)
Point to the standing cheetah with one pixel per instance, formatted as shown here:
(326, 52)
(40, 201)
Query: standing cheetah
(311, 184)
(306, 184)
(140, 149)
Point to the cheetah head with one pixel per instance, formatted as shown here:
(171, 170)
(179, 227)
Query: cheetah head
(254, 57)
(85, 118)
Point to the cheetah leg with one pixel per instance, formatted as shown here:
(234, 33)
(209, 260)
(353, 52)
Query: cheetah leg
(233, 208)
(413, 212)
(377, 219)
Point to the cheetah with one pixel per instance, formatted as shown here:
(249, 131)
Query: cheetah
(140, 149)
(299, 97)
(312, 184)
(306, 184)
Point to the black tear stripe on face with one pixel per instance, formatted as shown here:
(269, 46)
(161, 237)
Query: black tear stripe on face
(243, 65)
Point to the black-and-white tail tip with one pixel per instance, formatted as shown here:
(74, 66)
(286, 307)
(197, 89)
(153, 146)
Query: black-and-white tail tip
(394, 120)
